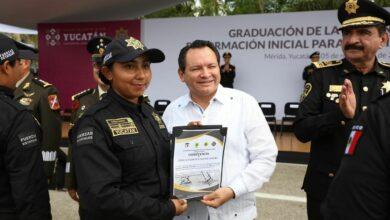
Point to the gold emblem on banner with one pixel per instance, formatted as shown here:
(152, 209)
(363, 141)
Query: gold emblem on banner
(158, 120)
(122, 126)
(122, 33)
(351, 6)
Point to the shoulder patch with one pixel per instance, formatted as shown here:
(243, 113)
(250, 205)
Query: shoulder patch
(40, 82)
(384, 64)
(357, 131)
(81, 94)
(324, 64)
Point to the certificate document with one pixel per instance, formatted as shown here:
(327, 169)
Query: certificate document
(197, 160)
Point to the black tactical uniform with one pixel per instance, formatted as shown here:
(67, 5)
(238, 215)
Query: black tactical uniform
(361, 188)
(321, 121)
(41, 98)
(121, 156)
(23, 186)
(81, 102)
(227, 77)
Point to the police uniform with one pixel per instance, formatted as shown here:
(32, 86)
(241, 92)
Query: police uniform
(227, 77)
(121, 151)
(41, 98)
(320, 119)
(361, 188)
(80, 103)
(308, 70)
(23, 186)
(122, 158)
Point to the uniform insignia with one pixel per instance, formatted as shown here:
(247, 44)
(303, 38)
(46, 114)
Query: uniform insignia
(26, 86)
(386, 87)
(122, 126)
(134, 43)
(28, 94)
(351, 6)
(385, 64)
(323, 64)
(335, 88)
(306, 91)
(42, 83)
(158, 120)
(357, 131)
(53, 102)
(25, 101)
(81, 94)
(28, 140)
(85, 136)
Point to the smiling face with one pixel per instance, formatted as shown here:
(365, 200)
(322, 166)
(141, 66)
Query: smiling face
(201, 73)
(360, 44)
(130, 79)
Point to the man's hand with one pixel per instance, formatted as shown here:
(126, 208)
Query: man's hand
(73, 194)
(195, 123)
(218, 197)
(180, 205)
(347, 100)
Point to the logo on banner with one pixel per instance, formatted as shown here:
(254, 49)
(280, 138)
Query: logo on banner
(122, 33)
(52, 37)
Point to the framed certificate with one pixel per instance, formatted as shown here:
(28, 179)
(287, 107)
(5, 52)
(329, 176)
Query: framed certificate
(197, 160)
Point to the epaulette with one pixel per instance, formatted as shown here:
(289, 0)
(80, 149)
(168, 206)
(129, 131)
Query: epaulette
(330, 63)
(384, 64)
(40, 82)
(15, 105)
(103, 104)
(81, 94)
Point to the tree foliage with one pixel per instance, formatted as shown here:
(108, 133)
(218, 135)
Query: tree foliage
(233, 7)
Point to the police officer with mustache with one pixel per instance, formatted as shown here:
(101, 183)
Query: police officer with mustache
(320, 118)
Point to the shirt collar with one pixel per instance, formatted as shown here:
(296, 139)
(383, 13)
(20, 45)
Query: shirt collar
(7, 91)
(349, 68)
(18, 83)
(219, 96)
(126, 104)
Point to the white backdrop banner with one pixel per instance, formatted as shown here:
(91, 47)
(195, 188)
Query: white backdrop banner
(268, 50)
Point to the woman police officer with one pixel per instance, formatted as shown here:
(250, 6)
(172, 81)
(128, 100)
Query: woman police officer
(121, 146)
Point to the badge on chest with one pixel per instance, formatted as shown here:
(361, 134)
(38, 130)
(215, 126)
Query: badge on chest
(334, 93)
(122, 126)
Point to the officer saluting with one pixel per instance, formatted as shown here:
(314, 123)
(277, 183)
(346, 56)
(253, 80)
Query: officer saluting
(320, 119)
(82, 101)
(41, 98)
(23, 186)
(361, 189)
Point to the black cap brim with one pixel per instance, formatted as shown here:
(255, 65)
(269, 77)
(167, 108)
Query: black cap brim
(153, 55)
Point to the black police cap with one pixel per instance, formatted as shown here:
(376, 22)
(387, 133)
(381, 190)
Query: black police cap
(96, 47)
(317, 53)
(125, 50)
(354, 13)
(11, 50)
(227, 54)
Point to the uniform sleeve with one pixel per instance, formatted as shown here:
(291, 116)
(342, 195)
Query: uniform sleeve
(360, 189)
(25, 167)
(304, 74)
(98, 173)
(50, 120)
(262, 151)
(311, 121)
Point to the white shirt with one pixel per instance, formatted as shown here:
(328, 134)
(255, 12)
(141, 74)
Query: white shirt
(250, 149)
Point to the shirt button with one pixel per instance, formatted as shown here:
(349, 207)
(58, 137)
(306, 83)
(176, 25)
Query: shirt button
(365, 89)
(342, 122)
(337, 100)
(364, 108)
(331, 174)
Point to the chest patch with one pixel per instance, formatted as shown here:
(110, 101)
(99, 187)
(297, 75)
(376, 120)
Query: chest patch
(122, 126)
(28, 140)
